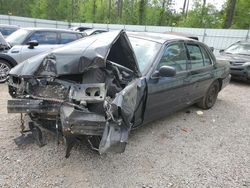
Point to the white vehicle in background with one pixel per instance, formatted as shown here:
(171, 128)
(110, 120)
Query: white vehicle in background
(28, 42)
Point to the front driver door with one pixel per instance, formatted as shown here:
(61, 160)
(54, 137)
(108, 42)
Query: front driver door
(168, 94)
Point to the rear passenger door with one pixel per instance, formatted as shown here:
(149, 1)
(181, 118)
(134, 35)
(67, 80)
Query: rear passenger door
(47, 40)
(201, 70)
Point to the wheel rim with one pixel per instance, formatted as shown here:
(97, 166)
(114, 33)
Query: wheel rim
(212, 95)
(4, 70)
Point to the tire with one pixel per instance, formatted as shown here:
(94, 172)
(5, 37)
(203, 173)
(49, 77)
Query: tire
(210, 97)
(4, 70)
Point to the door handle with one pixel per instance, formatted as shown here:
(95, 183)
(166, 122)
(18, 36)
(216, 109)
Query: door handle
(15, 51)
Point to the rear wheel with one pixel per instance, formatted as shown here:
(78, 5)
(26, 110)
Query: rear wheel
(4, 70)
(209, 99)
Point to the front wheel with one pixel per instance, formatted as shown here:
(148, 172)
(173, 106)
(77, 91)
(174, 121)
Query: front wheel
(210, 97)
(4, 70)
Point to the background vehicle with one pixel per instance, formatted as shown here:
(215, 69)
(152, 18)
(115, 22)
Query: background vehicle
(116, 82)
(28, 42)
(6, 30)
(238, 55)
(79, 28)
(89, 32)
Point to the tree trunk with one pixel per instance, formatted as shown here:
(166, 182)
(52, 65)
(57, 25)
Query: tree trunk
(94, 10)
(231, 4)
(142, 4)
(202, 13)
(184, 7)
(119, 8)
(109, 11)
(162, 12)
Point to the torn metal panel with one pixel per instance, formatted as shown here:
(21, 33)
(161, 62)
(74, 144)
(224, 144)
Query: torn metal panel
(81, 122)
(31, 106)
(122, 110)
(114, 138)
(88, 93)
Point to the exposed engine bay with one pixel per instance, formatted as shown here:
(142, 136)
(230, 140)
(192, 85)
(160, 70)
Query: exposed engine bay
(95, 94)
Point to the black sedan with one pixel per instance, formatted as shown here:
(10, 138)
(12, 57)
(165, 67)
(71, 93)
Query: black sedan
(238, 54)
(103, 86)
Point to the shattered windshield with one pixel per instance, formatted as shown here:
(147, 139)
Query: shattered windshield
(145, 52)
(239, 48)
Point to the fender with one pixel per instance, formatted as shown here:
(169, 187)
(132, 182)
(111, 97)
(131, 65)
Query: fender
(8, 58)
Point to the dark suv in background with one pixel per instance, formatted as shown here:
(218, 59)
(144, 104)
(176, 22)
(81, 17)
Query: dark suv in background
(28, 42)
(6, 30)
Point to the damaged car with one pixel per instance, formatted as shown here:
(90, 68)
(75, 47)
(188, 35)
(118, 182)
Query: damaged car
(103, 86)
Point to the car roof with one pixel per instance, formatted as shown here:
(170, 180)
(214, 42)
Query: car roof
(157, 37)
(49, 29)
(188, 35)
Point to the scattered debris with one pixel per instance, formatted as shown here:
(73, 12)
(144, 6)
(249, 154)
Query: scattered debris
(184, 129)
(200, 113)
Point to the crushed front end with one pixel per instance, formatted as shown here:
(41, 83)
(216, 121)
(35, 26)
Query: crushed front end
(90, 88)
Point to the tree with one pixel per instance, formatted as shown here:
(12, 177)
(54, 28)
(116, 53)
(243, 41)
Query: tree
(142, 6)
(242, 14)
(231, 4)
(202, 16)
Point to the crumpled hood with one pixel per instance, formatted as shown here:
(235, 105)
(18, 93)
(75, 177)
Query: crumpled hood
(79, 56)
(233, 57)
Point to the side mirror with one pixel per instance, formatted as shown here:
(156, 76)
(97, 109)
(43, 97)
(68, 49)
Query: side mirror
(32, 43)
(164, 71)
(212, 49)
(221, 50)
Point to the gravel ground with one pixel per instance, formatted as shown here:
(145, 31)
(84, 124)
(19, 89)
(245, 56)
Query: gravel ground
(182, 150)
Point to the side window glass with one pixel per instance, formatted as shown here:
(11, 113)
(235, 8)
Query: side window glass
(44, 37)
(195, 56)
(68, 37)
(207, 59)
(175, 56)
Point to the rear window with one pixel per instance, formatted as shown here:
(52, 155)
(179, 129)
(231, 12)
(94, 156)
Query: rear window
(68, 37)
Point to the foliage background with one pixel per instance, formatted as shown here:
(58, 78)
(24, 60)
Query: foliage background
(141, 12)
